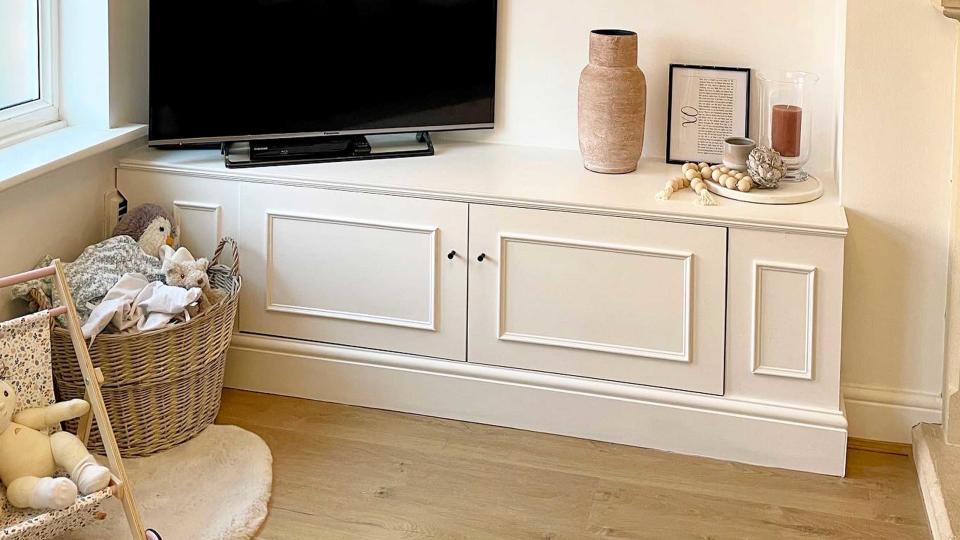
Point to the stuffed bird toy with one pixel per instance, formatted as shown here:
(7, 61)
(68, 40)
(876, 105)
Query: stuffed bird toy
(151, 226)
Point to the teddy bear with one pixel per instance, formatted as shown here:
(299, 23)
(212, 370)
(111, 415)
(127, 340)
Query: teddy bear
(183, 271)
(29, 457)
(150, 225)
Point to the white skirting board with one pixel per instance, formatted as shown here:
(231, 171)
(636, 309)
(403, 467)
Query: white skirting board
(688, 423)
(886, 414)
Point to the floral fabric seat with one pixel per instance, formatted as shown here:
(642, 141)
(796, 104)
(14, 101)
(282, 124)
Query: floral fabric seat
(25, 364)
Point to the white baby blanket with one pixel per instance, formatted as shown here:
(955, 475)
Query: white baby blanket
(135, 304)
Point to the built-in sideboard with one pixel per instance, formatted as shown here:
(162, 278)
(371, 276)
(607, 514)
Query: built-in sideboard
(509, 286)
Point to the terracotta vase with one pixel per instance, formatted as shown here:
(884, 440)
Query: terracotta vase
(612, 103)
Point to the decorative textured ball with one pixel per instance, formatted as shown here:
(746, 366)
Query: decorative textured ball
(765, 167)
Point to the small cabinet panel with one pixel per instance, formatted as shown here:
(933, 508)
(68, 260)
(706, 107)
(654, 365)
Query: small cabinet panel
(355, 269)
(205, 210)
(782, 332)
(784, 310)
(200, 225)
(351, 288)
(659, 280)
(619, 299)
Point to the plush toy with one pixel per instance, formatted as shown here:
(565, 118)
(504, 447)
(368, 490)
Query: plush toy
(182, 270)
(29, 457)
(150, 225)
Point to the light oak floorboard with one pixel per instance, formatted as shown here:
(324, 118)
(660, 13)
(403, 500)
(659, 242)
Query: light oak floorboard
(350, 472)
(902, 449)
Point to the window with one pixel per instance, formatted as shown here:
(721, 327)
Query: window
(28, 68)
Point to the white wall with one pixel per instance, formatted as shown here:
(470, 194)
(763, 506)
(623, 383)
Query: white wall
(128, 61)
(84, 65)
(543, 47)
(897, 158)
(103, 62)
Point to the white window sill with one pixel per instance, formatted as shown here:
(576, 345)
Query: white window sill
(33, 157)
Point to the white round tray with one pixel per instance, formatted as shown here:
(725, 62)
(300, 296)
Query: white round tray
(810, 189)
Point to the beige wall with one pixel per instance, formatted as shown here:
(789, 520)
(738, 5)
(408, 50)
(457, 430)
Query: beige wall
(543, 46)
(951, 361)
(58, 213)
(895, 183)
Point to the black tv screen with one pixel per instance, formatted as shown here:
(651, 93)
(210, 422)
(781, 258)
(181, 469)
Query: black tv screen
(235, 70)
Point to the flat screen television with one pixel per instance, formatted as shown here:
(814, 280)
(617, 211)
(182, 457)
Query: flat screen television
(244, 70)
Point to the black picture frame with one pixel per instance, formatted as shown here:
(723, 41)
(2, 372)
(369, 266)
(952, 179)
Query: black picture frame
(671, 156)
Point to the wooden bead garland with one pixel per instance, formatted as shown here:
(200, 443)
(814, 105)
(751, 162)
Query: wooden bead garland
(731, 179)
(672, 186)
(695, 175)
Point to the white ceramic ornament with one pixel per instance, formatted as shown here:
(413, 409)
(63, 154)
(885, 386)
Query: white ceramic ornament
(766, 167)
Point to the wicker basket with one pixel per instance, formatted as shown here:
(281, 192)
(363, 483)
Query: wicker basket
(161, 387)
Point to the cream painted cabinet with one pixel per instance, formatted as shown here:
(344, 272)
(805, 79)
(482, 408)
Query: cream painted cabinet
(784, 296)
(372, 271)
(510, 286)
(603, 297)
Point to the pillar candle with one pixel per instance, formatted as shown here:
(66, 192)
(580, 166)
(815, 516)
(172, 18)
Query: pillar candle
(785, 126)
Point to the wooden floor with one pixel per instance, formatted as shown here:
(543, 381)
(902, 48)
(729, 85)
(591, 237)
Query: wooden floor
(345, 472)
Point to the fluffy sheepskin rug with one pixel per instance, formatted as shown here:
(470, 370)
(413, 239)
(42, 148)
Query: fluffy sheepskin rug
(214, 487)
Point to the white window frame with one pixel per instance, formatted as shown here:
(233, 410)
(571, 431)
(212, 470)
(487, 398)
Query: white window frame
(46, 110)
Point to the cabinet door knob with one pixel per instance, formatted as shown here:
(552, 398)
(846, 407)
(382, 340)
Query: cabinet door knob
(452, 254)
(481, 257)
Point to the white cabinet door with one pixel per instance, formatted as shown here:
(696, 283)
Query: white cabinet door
(620, 299)
(784, 311)
(356, 269)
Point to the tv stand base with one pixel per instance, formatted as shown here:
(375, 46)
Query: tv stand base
(265, 153)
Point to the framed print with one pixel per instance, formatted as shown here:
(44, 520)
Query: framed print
(706, 105)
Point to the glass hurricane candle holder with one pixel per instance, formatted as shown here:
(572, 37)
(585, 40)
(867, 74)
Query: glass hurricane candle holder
(786, 117)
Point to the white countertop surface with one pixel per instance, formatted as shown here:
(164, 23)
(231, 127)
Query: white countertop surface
(517, 176)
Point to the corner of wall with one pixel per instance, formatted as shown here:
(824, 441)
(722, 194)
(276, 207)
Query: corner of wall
(128, 62)
(840, 60)
(888, 414)
(84, 69)
(896, 252)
